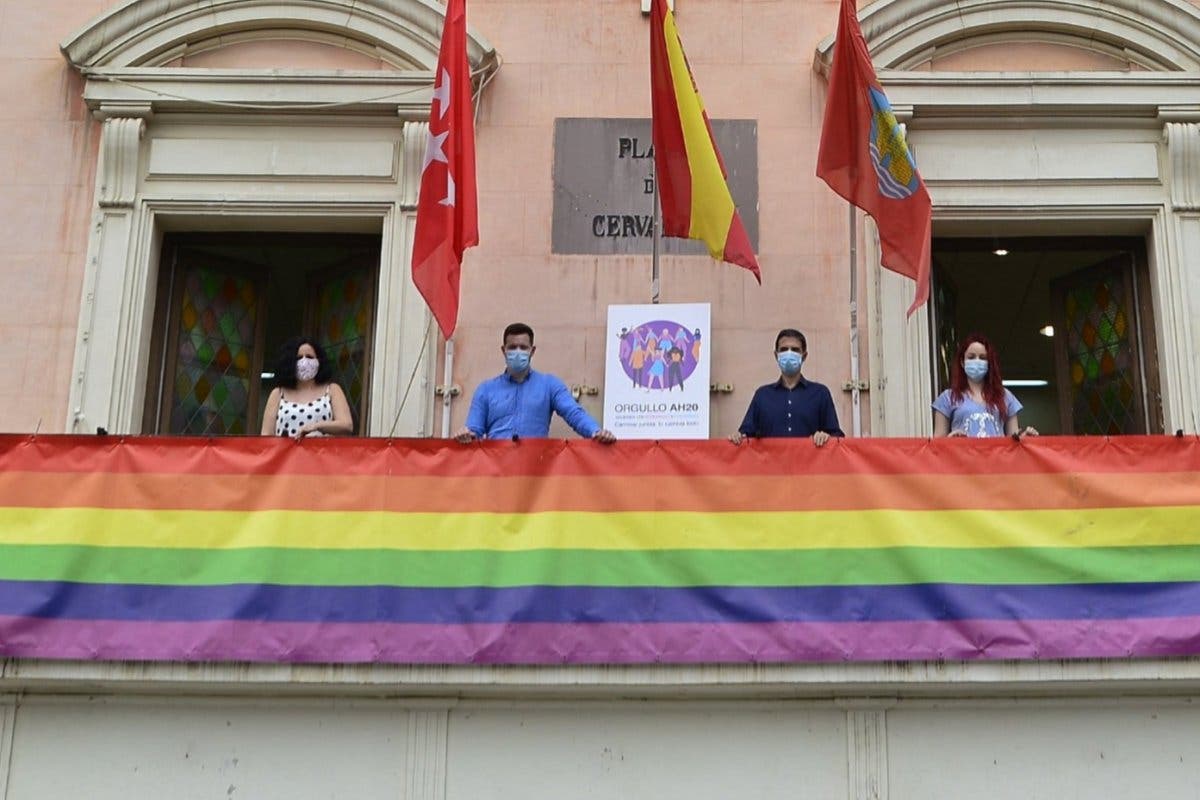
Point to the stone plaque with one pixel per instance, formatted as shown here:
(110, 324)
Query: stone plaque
(604, 184)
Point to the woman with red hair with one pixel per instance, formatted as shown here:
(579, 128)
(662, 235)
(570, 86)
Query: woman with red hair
(977, 404)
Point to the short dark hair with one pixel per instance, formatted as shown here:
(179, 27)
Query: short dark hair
(285, 367)
(517, 329)
(791, 333)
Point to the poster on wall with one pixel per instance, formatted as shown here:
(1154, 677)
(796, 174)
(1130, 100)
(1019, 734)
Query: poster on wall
(656, 371)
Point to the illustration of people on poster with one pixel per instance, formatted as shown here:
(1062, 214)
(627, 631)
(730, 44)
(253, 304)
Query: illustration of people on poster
(656, 374)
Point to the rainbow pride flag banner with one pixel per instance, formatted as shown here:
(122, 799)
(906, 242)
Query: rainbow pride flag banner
(550, 552)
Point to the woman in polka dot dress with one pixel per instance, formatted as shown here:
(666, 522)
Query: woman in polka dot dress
(305, 401)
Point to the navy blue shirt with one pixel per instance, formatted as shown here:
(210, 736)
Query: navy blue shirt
(777, 410)
(502, 407)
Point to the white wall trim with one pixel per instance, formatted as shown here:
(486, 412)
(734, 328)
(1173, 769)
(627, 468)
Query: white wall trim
(1155, 34)
(867, 753)
(425, 754)
(149, 33)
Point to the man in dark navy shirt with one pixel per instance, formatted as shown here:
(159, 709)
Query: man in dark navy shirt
(791, 406)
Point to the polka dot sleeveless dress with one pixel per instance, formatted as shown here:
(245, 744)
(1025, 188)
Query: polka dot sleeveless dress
(292, 415)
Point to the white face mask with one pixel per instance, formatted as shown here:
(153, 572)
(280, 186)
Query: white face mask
(306, 368)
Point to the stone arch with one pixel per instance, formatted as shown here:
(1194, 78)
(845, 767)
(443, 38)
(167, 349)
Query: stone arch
(150, 33)
(1156, 35)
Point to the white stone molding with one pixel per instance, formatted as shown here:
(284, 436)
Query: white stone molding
(149, 33)
(427, 686)
(122, 53)
(416, 135)
(107, 282)
(866, 753)
(120, 151)
(223, 91)
(1183, 150)
(1154, 34)
(425, 754)
(899, 355)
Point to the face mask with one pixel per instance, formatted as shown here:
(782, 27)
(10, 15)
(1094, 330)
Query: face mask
(517, 360)
(306, 368)
(976, 368)
(789, 362)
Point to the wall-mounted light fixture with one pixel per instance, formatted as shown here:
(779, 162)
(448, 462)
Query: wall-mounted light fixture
(1046, 330)
(1028, 383)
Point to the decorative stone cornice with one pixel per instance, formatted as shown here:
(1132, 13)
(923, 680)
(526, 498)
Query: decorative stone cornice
(1154, 34)
(148, 33)
(120, 146)
(164, 89)
(1183, 150)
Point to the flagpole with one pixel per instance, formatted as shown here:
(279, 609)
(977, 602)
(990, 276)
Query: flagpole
(855, 395)
(655, 224)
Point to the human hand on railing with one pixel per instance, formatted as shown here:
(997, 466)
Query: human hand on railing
(820, 438)
(465, 436)
(604, 437)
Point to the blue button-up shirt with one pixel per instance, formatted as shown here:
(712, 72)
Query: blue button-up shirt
(777, 410)
(502, 407)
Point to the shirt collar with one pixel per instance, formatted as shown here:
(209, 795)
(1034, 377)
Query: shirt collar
(506, 376)
(801, 385)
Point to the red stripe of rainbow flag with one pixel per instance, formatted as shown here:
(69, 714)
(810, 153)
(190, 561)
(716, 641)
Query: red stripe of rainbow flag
(564, 552)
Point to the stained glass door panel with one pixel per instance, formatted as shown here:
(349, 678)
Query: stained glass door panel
(342, 317)
(1096, 350)
(215, 352)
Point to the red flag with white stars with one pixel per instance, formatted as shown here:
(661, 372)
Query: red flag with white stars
(447, 214)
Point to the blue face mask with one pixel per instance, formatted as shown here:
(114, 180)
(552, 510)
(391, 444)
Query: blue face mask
(789, 362)
(976, 368)
(517, 360)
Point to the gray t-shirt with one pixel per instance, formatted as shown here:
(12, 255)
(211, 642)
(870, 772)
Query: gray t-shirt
(974, 419)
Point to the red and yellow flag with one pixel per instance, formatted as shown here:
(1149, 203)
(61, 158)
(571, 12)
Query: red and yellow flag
(696, 203)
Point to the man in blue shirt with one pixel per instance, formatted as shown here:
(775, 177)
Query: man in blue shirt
(791, 406)
(518, 402)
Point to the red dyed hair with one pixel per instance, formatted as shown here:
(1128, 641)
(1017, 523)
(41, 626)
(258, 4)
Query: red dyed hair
(993, 384)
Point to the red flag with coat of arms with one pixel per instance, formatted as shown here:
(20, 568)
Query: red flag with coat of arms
(447, 214)
(864, 157)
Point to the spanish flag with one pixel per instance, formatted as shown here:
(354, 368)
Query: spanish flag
(695, 198)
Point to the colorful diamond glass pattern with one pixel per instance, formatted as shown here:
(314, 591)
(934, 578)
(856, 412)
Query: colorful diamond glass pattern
(217, 324)
(1100, 358)
(343, 322)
